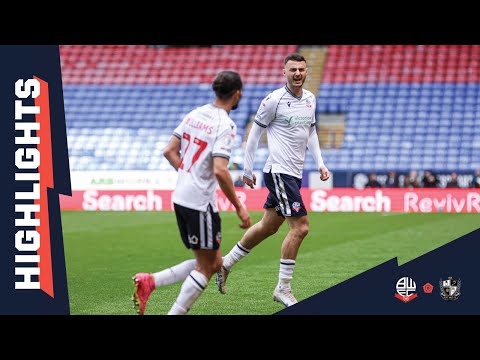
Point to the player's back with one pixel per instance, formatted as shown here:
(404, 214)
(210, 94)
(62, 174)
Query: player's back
(205, 132)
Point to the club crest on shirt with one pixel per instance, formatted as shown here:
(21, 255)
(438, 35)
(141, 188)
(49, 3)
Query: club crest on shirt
(296, 206)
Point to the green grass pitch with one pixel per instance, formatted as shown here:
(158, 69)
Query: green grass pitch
(103, 250)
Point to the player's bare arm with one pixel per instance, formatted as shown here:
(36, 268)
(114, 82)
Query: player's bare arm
(172, 152)
(220, 169)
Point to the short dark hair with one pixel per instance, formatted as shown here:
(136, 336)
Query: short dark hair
(294, 57)
(226, 83)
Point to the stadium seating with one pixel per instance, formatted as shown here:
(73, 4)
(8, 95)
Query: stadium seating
(406, 106)
(122, 103)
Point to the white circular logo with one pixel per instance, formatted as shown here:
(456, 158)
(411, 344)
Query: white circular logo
(406, 286)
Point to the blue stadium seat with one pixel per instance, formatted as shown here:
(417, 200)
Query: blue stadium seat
(400, 123)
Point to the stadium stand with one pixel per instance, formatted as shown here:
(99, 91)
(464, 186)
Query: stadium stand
(123, 102)
(405, 106)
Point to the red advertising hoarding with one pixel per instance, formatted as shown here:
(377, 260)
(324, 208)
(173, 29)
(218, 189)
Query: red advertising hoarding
(316, 200)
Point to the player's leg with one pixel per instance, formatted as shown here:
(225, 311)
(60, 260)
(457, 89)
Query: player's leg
(203, 233)
(298, 230)
(174, 274)
(146, 283)
(290, 246)
(265, 228)
(296, 214)
(271, 221)
(180, 271)
(208, 263)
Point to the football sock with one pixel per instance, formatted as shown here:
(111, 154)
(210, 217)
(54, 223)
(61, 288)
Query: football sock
(192, 288)
(285, 274)
(174, 274)
(234, 256)
(177, 310)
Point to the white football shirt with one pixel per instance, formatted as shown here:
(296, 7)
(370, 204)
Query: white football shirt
(287, 119)
(205, 133)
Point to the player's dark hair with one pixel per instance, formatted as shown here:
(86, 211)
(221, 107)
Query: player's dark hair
(226, 83)
(294, 57)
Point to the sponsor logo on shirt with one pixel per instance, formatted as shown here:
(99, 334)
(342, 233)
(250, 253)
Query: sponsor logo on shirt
(299, 120)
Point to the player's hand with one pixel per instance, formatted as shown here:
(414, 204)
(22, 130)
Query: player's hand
(324, 173)
(243, 214)
(250, 183)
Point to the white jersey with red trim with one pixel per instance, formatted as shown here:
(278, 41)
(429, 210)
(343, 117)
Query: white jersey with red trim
(288, 119)
(205, 133)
